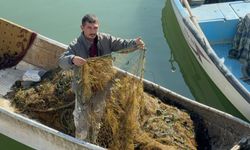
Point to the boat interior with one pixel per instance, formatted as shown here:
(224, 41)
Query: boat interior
(219, 22)
(15, 44)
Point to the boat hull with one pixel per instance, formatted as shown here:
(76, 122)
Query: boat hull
(206, 81)
(37, 135)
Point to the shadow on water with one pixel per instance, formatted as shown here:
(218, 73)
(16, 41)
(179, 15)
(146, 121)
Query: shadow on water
(201, 86)
(8, 143)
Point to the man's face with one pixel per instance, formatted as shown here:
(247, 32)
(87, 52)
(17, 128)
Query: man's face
(90, 30)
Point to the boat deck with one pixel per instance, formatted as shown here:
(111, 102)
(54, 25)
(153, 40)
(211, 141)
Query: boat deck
(227, 10)
(222, 17)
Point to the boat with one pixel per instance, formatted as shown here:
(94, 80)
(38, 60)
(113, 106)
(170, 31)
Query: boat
(202, 36)
(223, 129)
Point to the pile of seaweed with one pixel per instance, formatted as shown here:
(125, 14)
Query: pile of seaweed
(50, 101)
(129, 118)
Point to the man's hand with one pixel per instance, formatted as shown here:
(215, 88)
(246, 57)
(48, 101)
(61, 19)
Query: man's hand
(140, 43)
(78, 61)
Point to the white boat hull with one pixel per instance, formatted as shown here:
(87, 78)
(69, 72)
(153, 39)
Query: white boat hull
(207, 64)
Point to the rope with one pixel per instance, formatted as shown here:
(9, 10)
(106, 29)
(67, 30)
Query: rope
(52, 109)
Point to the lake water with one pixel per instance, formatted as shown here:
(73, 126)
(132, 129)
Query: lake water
(60, 20)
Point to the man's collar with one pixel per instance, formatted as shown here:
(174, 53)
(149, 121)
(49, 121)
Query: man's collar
(87, 42)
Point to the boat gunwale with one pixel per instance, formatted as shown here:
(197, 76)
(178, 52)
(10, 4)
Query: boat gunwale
(161, 92)
(46, 129)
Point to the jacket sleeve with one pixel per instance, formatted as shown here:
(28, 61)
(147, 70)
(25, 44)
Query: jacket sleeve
(119, 43)
(65, 60)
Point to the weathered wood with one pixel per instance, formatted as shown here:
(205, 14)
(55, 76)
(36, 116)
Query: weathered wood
(44, 53)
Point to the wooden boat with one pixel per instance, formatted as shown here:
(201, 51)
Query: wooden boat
(223, 130)
(201, 36)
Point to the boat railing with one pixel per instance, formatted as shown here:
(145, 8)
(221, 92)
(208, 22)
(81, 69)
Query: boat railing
(203, 40)
(192, 17)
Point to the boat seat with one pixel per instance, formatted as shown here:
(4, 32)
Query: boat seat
(14, 43)
(223, 17)
(196, 2)
(241, 8)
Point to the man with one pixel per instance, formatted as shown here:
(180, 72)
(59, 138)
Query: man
(90, 43)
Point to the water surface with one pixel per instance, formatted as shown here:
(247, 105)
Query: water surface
(60, 20)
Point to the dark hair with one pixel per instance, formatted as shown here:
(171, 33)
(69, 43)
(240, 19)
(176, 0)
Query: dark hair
(90, 18)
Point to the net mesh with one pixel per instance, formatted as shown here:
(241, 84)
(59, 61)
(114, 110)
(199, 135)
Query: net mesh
(129, 118)
(50, 101)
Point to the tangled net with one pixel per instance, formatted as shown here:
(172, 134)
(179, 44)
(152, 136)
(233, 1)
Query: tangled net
(120, 115)
(130, 118)
(51, 101)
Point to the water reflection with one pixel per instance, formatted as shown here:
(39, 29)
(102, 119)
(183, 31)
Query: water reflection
(172, 61)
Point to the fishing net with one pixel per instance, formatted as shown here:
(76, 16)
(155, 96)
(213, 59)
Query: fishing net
(50, 101)
(125, 117)
(118, 114)
(241, 47)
